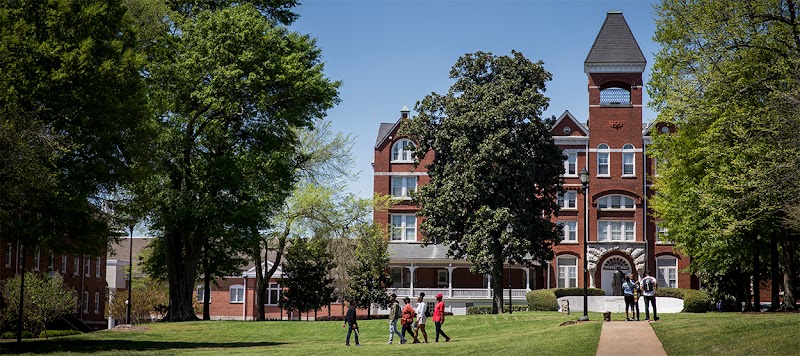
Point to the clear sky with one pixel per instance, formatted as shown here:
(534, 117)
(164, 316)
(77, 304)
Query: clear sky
(391, 53)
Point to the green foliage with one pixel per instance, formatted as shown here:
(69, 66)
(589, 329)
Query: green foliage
(305, 271)
(695, 301)
(150, 299)
(370, 275)
(487, 309)
(572, 292)
(542, 300)
(46, 299)
(13, 335)
(57, 333)
(671, 292)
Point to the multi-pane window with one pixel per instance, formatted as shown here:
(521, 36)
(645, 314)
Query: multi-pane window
(404, 227)
(603, 160)
(570, 230)
(201, 292)
(667, 267)
(237, 293)
(63, 264)
(571, 164)
(628, 165)
(85, 302)
(402, 151)
(97, 268)
(96, 302)
(567, 272)
(402, 186)
(9, 254)
(37, 259)
(568, 200)
(615, 202)
(77, 266)
(87, 266)
(661, 232)
(616, 231)
(51, 263)
(273, 294)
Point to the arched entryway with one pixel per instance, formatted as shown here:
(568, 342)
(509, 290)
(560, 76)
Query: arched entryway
(611, 265)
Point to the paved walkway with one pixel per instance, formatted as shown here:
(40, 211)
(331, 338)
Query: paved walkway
(628, 337)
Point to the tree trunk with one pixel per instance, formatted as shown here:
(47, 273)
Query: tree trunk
(263, 275)
(787, 251)
(757, 280)
(206, 296)
(745, 281)
(497, 283)
(775, 299)
(181, 273)
(21, 292)
(261, 288)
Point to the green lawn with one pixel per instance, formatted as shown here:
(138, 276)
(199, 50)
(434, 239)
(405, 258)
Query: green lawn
(729, 334)
(520, 333)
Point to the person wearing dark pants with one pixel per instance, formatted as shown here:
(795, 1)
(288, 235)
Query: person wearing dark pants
(650, 290)
(438, 318)
(350, 321)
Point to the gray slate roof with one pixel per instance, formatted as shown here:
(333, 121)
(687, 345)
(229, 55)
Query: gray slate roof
(412, 251)
(615, 43)
(383, 131)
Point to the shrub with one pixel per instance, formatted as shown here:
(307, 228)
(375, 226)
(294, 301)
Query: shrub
(542, 300)
(695, 301)
(578, 292)
(13, 335)
(57, 333)
(671, 292)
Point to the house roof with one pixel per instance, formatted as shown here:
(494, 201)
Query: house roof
(120, 250)
(383, 131)
(615, 44)
(405, 251)
(568, 116)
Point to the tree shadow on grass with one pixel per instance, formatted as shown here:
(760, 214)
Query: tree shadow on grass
(90, 346)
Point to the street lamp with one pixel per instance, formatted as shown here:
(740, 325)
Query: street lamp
(509, 230)
(584, 177)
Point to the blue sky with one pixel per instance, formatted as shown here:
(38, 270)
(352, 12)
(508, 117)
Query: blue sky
(391, 53)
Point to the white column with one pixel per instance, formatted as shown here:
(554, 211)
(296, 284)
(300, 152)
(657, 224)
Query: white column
(450, 281)
(591, 279)
(528, 279)
(489, 285)
(411, 283)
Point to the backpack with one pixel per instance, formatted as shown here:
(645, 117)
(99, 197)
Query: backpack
(647, 284)
(397, 312)
(427, 310)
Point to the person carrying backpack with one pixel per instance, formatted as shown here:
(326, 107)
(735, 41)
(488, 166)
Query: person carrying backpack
(408, 318)
(422, 316)
(649, 289)
(394, 314)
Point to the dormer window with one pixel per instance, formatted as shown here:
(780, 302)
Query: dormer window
(615, 202)
(402, 150)
(615, 96)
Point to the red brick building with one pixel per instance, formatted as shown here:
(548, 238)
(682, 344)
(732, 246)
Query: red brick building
(611, 145)
(85, 274)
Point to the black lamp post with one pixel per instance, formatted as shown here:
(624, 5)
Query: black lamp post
(509, 230)
(130, 276)
(584, 177)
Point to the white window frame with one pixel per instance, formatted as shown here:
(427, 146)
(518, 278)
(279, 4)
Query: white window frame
(570, 231)
(667, 266)
(607, 202)
(566, 273)
(9, 255)
(97, 268)
(51, 264)
(87, 266)
(200, 292)
(661, 231)
(97, 302)
(86, 301)
(273, 287)
(403, 184)
(571, 165)
(625, 228)
(236, 294)
(603, 160)
(402, 151)
(441, 277)
(568, 200)
(37, 259)
(63, 264)
(628, 154)
(77, 266)
(400, 232)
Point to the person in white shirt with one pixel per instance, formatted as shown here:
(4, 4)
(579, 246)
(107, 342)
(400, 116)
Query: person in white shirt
(649, 289)
(421, 318)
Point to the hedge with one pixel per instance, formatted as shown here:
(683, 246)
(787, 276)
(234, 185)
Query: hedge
(542, 300)
(13, 335)
(694, 301)
(578, 292)
(57, 333)
(487, 309)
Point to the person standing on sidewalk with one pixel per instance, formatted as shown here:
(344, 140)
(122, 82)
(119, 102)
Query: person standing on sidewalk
(650, 290)
(350, 320)
(637, 291)
(394, 314)
(421, 310)
(408, 319)
(627, 291)
(438, 318)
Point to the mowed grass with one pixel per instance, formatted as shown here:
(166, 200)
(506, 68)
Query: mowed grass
(729, 334)
(522, 333)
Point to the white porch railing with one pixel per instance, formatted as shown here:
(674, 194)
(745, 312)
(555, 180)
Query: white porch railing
(432, 292)
(460, 293)
(470, 293)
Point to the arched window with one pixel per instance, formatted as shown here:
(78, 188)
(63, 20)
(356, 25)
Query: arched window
(615, 202)
(615, 96)
(402, 150)
(567, 271)
(628, 165)
(667, 267)
(603, 160)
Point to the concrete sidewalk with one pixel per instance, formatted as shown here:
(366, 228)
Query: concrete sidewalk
(626, 337)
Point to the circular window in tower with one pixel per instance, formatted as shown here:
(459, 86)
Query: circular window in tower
(664, 129)
(567, 129)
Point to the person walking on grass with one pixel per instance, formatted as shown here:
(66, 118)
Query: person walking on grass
(438, 318)
(627, 291)
(637, 292)
(421, 311)
(350, 321)
(407, 319)
(649, 289)
(394, 315)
